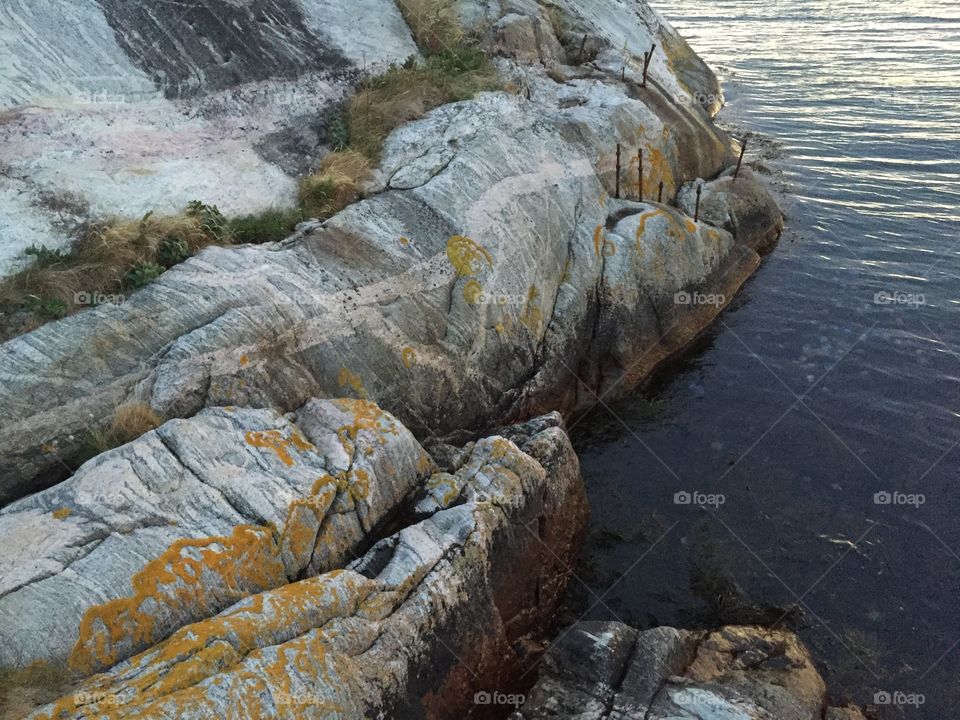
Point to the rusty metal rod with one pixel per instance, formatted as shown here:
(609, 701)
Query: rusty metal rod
(743, 149)
(640, 174)
(583, 46)
(647, 57)
(696, 212)
(660, 193)
(617, 186)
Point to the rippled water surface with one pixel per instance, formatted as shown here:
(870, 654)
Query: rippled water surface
(833, 377)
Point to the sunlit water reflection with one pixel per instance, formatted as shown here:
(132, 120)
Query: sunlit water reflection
(813, 394)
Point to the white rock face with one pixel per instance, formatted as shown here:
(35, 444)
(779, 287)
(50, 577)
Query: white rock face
(230, 114)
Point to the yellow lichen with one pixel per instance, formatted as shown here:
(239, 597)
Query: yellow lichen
(467, 257)
(274, 440)
(409, 356)
(346, 378)
(61, 514)
(472, 291)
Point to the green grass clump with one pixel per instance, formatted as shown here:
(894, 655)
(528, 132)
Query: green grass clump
(269, 226)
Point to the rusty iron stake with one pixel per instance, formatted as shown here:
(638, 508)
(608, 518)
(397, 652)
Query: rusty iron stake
(640, 174)
(617, 195)
(696, 212)
(743, 149)
(647, 57)
(660, 193)
(583, 46)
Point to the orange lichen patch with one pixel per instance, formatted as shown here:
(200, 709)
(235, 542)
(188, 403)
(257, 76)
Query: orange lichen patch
(656, 168)
(360, 486)
(61, 514)
(304, 517)
(274, 440)
(366, 416)
(169, 673)
(472, 291)
(642, 226)
(532, 316)
(444, 488)
(200, 574)
(565, 273)
(690, 225)
(467, 257)
(598, 240)
(346, 378)
(48, 448)
(409, 356)
(502, 448)
(404, 241)
(244, 360)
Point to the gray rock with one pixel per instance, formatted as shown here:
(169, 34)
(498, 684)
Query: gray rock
(743, 207)
(454, 304)
(176, 526)
(743, 672)
(428, 617)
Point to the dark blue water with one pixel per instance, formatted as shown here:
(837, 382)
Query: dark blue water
(824, 406)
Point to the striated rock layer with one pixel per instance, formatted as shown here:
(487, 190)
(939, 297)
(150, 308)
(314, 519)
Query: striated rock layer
(490, 275)
(452, 602)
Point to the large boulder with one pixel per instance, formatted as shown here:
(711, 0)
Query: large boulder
(461, 294)
(610, 671)
(430, 615)
(176, 526)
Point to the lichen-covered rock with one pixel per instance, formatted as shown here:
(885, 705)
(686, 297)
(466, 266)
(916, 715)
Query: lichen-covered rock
(742, 206)
(609, 671)
(176, 526)
(426, 618)
(458, 301)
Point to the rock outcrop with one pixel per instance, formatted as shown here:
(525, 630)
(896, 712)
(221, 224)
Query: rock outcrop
(489, 276)
(432, 612)
(608, 670)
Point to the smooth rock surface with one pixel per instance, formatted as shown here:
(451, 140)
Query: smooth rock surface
(115, 108)
(742, 206)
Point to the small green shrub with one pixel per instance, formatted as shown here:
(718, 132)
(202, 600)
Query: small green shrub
(45, 257)
(172, 251)
(141, 274)
(46, 307)
(269, 226)
(337, 131)
(212, 222)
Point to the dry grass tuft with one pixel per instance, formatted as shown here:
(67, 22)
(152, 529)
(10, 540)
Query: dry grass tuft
(130, 421)
(109, 260)
(433, 23)
(335, 185)
(406, 93)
